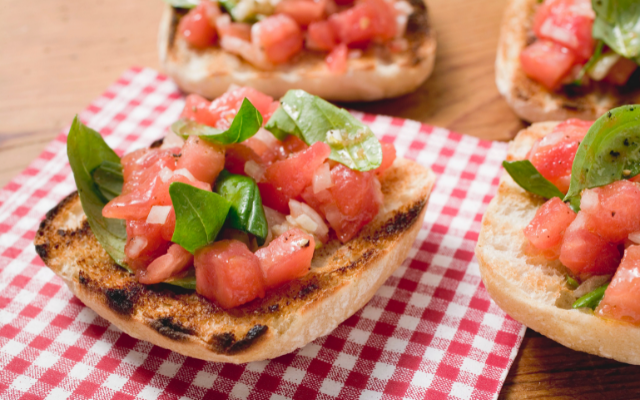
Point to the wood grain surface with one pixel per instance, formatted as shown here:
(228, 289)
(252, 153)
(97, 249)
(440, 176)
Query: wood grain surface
(58, 55)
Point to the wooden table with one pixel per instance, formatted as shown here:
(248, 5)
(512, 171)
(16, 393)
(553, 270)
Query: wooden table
(57, 55)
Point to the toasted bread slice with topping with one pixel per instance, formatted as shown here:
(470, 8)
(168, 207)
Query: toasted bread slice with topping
(376, 74)
(342, 279)
(532, 101)
(533, 290)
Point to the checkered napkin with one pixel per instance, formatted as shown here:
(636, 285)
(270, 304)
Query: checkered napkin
(431, 331)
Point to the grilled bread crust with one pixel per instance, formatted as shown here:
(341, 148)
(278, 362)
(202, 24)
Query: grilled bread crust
(529, 99)
(532, 289)
(342, 279)
(377, 74)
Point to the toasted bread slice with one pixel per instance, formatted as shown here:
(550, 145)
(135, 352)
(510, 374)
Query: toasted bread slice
(533, 290)
(377, 74)
(528, 98)
(342, 279)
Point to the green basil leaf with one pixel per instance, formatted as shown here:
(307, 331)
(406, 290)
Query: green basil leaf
(182, 3)
(246, 212)
(200, 215)
(313, 120)
(87, 151)
(528, 177)
(187, 281)
(617, 23)
(591, 299)
(595, 57)
(108, 177)
(245, 124)
(609, 152)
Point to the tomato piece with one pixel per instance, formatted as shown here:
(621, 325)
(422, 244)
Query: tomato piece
(587, 254)
(547, 63)
(176, 260)
(293, 144)
(568, 23)
(613, 214)
(144, 243)
(621, 71)
(321, 36)
(196, 108)
(303, 12)
(279, 36)
(142, 164)
(388, 157)
(229, 273)
(367, 20)
(286, 179)
(238, 30)
(337, 59)
(203, 159)
(546, 230)
(286, 258)
(197, 27)
(553, 154)
(621, 297)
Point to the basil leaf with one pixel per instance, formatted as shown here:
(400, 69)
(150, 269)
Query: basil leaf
(528, 177)
(87, 151)
(313, 119)
(182, 3)
(108, 177)
(617, 23)
(200, 215)
(591, 299)
(597, 54)
(246, 212)
(187, 281)
(610, 148)
(245, 124)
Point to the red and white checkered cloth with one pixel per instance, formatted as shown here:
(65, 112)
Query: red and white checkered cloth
(430, 332)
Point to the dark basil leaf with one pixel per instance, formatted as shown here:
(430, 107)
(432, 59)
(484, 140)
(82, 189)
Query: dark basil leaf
(182, 3)
(108, 178)
(245, 124)
(528, 177)
(617, 23)
(87, 151)
(313, 120)
(591, 299)
(199, 215)
(609, 150)
(246, 212)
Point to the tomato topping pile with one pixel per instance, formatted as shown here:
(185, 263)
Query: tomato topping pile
(621, 297)
(292, 25)
(304, 193)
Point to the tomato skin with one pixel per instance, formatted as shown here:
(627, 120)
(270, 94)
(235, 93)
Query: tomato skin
(553, 154)
(196, 27)
(337, 60)
(203, 159)
(321, 36)
(546, 230)
(279, 36)
(153, 245)
(547, 63)
(388, 157)
(367, 20)
(164, 267)
(196, 108)
(287, 257)
(621, 297)
(303, 12)
(615, 215)
(568, 23)
(229, 273)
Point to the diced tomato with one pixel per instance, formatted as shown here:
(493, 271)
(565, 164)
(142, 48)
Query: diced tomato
(621, 71)
(196, 108)
(143, 164)
(287, 257)
(286, 179)
(337, 59)
(203, 159)
(621, 297)
(615, 213)
(229, 273)
(321, 36)
(293, 144)
(587, 254)
(238, 30)
(553, 154)
(303, 12)
(144, 243)
(388, 157)
(568, 23)
(547, 228)
(197, 27)
(367, 20)
(176, 260)
(279, 36)
(547, 62)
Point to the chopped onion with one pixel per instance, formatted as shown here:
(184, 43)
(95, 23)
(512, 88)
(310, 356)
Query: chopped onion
(172, 140)
(552, 31)
(165, 174)
(602, 67)
(136, 245)
(403, 11)
(353, 54)
(185, 172)
(254, 170)
(589, 200)
(273, 216)
(306, 223)
(590, 285)
(635, 237)
(377, 191)
(267, 138)
(322, 228)
(322, 178)
(158, 214)
(333, 215)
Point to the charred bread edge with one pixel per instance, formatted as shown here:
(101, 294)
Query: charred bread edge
(366, 79)
(315, 310)
(528, 289)
(529, 99)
